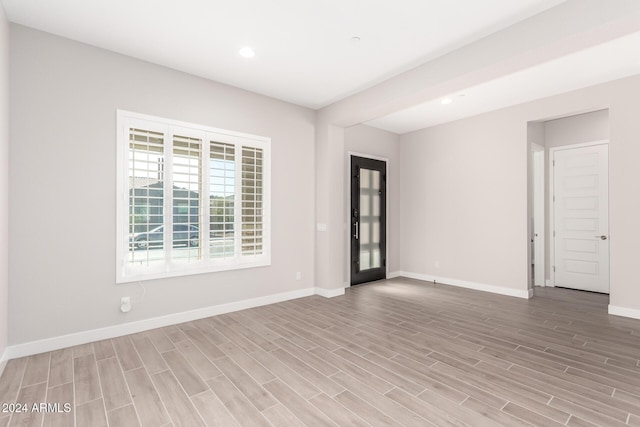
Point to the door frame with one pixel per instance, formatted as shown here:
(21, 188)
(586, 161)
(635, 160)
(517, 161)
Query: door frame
(347, 213)
(538, 154)
(551, 210)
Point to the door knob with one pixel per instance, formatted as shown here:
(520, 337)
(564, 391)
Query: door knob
(601, 237)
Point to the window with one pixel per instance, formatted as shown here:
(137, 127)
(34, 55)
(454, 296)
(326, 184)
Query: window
(207, 188)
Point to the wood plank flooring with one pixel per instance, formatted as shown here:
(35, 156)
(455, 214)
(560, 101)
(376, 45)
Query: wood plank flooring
(390, 353)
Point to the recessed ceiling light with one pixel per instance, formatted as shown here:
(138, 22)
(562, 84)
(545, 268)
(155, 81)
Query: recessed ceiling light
(247, 52)
(355, 39)
(446, 101)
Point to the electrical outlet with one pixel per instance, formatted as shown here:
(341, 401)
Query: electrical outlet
(437, 264)
(125, 304)
(298, 276)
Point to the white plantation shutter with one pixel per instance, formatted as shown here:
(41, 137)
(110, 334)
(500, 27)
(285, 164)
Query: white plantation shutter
(145, 191)
(187, 192)
(252, 182)
(222, 190)
(192, 199)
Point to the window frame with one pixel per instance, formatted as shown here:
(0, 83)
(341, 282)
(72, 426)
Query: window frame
(125, 273)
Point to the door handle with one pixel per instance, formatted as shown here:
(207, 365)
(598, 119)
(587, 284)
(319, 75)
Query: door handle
(601, 237)
(357, 235)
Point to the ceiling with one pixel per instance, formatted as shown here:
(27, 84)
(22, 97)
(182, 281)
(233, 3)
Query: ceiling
(605, 62)
(304, 48)
(305, 52)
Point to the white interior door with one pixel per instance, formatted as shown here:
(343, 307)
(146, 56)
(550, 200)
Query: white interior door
(581, 218)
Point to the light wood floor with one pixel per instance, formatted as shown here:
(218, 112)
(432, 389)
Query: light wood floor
(398, 352)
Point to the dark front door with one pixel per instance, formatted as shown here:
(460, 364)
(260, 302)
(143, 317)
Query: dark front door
(368, 219)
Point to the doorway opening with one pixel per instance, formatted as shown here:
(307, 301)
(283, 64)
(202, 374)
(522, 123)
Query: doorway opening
(568, 202)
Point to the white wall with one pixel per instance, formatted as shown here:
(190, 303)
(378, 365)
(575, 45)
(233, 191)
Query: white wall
(576, 129)
(464, 201)
(464, 191)
(535, 133)
(4, 180)
(63, 186)
(378, 143)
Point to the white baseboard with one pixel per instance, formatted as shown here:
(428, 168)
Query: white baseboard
(3, 361)
(329, 293)
(55, 343)
(549, 284)
(526, 294)
(394, 274)
(623, 311)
